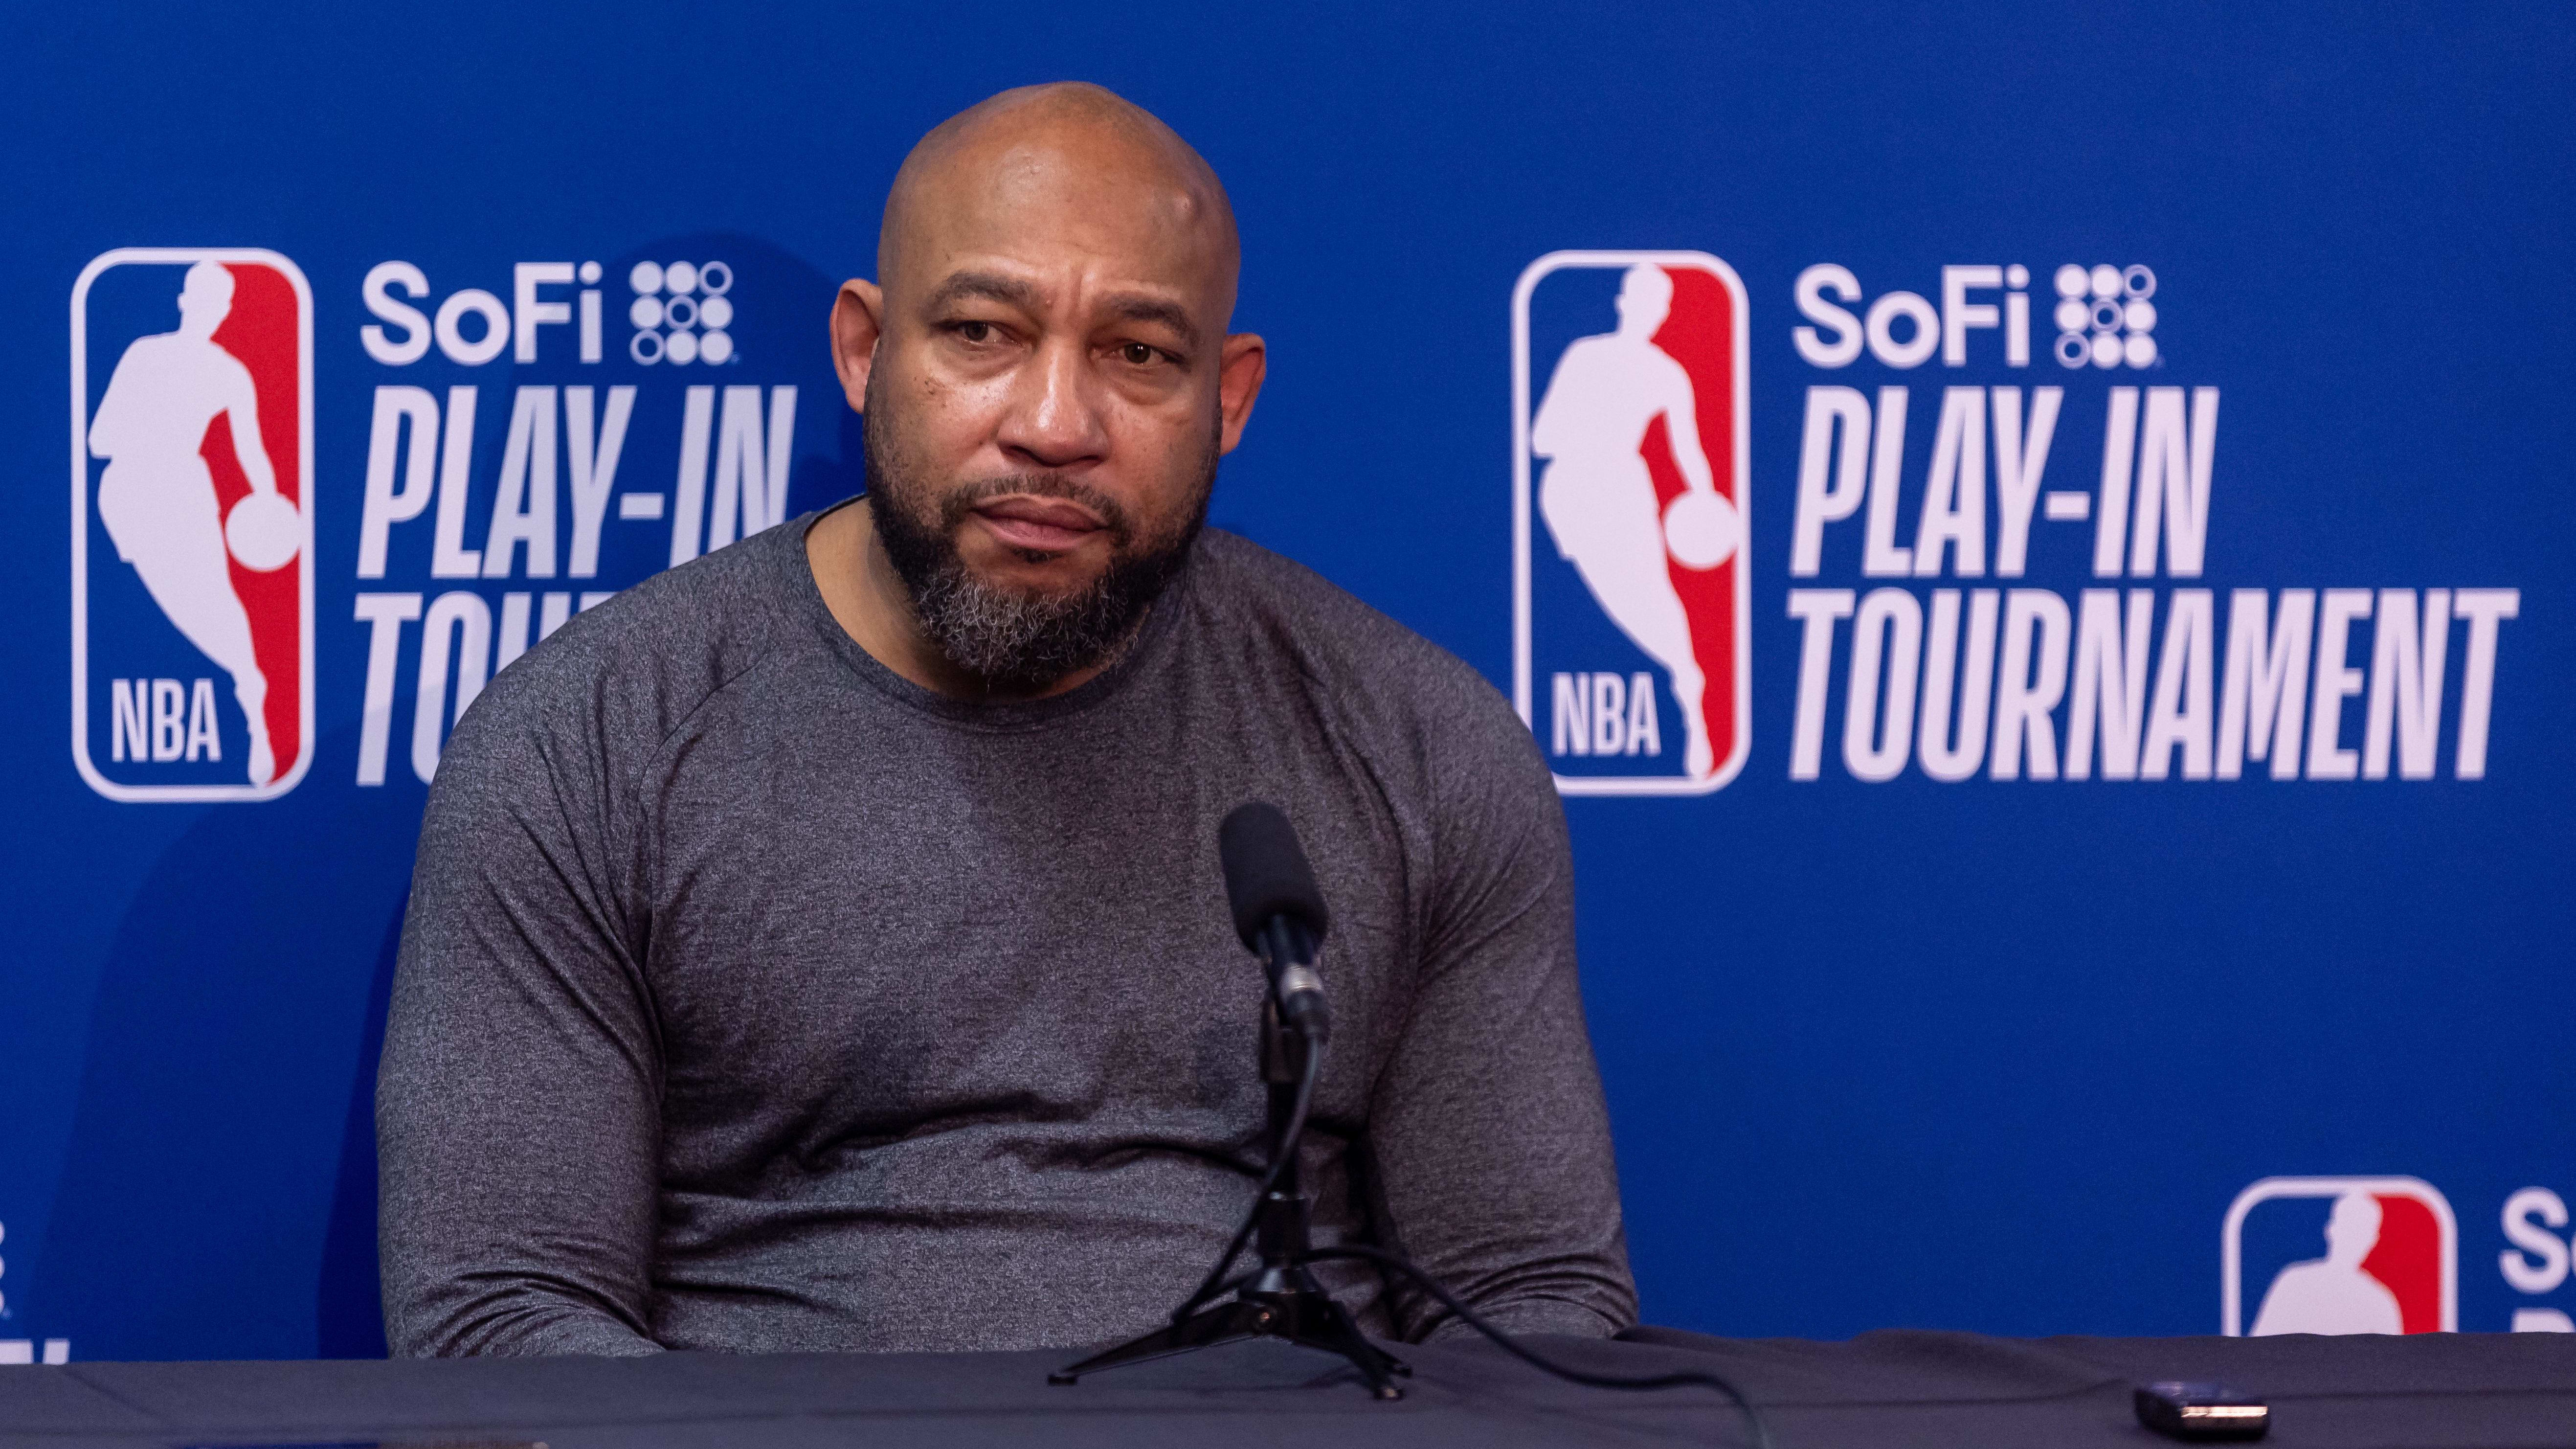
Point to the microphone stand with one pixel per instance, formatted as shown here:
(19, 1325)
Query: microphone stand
(1281, 1298)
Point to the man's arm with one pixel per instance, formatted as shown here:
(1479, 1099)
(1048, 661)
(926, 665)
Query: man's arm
(242, 405)
(1681, 428)
(516, 1116)
(1491, 1137)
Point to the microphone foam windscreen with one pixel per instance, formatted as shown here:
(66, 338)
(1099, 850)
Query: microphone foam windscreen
(1266, 873)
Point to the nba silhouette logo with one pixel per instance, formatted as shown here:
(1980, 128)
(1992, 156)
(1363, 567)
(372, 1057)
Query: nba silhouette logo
(2339, 1255)
(1631, 615)
(192, 524)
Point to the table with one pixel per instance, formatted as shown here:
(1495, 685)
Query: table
(2492, 1391)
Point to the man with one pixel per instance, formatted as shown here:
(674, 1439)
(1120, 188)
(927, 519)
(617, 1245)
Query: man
(157, 498)
(821, 946)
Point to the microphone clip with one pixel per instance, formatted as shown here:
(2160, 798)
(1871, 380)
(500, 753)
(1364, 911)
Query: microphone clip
(1289, 952)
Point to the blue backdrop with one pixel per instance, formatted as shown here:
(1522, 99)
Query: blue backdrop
(1988, 1053)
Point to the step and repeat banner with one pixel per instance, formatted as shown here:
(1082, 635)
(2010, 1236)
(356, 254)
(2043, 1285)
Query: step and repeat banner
(2037, 547)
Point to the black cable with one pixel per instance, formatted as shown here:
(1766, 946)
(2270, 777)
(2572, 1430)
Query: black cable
(1752, 1416)
(1215, 1283)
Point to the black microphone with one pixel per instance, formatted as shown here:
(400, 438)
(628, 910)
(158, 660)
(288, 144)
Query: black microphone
(1278, 911)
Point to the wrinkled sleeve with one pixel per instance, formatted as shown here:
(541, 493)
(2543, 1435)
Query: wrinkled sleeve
(516, 1110)
(1491, 1135)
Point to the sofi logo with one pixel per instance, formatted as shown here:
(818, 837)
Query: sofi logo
(192, 525)
(2340, 1255)
(2104, 314)
(1630, 495)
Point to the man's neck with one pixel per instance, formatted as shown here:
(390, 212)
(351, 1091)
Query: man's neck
(870, 601)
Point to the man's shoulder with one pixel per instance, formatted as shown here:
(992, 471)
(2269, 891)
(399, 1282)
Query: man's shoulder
(1379, 670)
(1329, 630)
(156, 350)
(631, 668)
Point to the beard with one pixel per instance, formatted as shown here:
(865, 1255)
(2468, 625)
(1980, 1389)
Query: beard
(1017, 642)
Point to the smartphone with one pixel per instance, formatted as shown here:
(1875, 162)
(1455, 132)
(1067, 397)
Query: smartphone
(2202, 1412)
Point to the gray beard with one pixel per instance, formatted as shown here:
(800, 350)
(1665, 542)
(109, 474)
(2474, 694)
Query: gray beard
(1016, 643)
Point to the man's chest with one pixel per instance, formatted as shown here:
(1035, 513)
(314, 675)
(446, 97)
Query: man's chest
(871, 916)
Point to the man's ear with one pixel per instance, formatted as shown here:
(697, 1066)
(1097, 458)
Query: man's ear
(858, 320)
(1242, 364)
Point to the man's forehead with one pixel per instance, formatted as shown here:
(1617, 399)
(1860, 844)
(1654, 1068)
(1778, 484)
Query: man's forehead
(1045, 180)
(1063, 215)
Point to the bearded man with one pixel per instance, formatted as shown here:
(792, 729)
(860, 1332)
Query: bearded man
(822, 945)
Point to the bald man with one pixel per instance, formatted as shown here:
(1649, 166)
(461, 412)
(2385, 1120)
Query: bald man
(821, 945)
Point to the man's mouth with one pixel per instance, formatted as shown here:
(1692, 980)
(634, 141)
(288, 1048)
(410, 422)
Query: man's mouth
(1046, 525)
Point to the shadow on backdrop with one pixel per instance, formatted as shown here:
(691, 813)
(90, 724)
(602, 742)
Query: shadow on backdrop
(234, 1031)
(348, 1307)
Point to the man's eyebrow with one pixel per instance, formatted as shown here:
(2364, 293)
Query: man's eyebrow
(1136, 307)
(1127, 306)
(990, 285)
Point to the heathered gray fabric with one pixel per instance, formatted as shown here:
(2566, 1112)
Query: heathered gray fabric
(753, 998)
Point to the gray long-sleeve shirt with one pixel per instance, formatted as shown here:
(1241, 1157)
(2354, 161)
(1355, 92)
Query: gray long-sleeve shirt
(754, 998)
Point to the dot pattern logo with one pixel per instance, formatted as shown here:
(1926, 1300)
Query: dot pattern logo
(2105, 316)
(680, 313)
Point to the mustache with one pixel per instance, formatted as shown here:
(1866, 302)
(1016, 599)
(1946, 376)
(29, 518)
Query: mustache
(1112, 514)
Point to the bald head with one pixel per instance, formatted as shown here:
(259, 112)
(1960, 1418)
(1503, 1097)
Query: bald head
(1069, 145)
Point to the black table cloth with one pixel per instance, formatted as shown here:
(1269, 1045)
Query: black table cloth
(2491, 1391)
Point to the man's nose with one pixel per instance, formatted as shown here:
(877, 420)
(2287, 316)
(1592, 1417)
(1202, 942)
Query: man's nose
(1054, 419)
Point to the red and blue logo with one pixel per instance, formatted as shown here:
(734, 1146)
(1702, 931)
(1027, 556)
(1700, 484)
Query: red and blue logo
(2339, 1255)
(192, 524)
(1630, 496)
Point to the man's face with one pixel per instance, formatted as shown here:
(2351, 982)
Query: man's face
(1044, 410)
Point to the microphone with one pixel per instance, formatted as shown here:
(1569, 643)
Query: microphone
(1278, 911)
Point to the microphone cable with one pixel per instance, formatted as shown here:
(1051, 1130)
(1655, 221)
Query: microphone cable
(1215, 1283)
(1752, 1416)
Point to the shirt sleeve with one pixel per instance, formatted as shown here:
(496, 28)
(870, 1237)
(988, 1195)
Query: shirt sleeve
(1488, 1126)
(516, 1110)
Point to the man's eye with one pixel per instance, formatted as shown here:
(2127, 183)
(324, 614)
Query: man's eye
(975, 331)
(1137, 354)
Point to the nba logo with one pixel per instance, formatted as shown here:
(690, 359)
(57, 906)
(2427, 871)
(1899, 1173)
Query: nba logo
(1630, 495)
(2339, 1255)
(192, 525)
